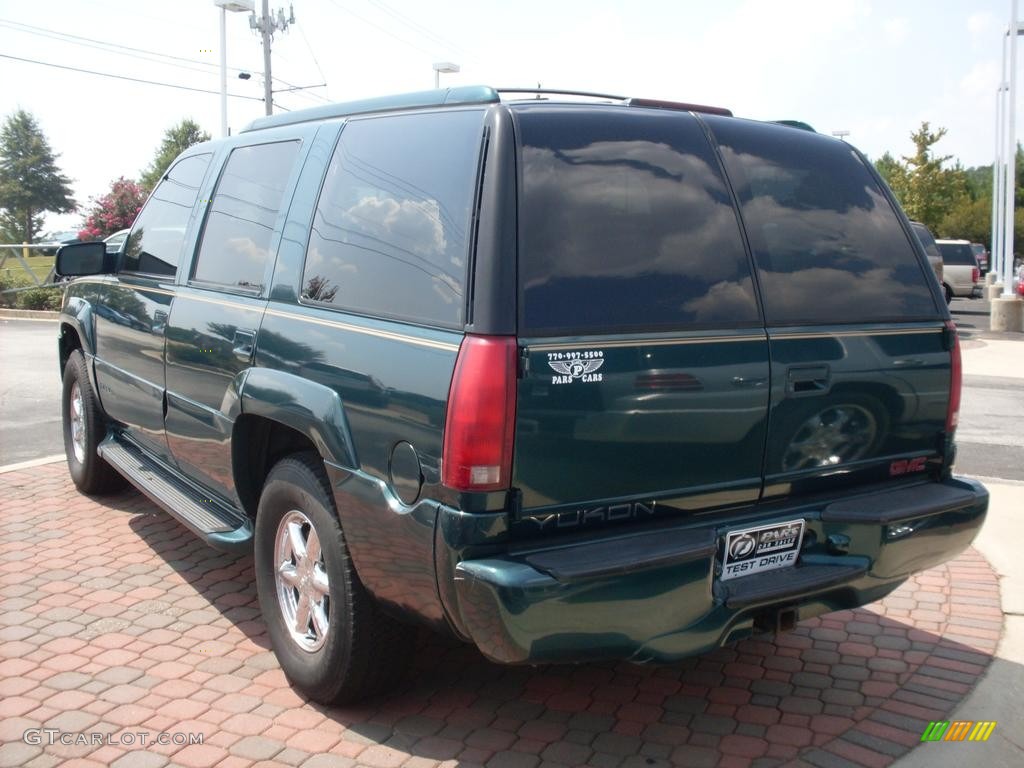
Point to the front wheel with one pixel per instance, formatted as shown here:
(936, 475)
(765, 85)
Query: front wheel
(84, 429)
(332, 640)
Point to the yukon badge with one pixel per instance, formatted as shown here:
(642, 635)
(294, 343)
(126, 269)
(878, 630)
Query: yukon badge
(570, 366)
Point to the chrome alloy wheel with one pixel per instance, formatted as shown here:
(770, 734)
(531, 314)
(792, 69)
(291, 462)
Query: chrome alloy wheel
(303, 591)
(76, 413)
(835, 435)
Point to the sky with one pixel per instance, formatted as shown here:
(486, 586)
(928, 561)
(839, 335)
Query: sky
(876, 69)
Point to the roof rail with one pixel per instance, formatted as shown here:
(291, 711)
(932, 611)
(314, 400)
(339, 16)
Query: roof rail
(559, 92)
(627, 100)
(680, 105)
(467, 94)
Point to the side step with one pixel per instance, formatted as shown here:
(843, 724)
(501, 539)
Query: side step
(222, 527)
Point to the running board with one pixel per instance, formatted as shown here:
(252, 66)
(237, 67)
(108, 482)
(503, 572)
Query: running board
(222, 527)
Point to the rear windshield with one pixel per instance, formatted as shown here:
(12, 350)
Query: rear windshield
(625, 224)
(957, 253)
(926, 240)
(828, 245)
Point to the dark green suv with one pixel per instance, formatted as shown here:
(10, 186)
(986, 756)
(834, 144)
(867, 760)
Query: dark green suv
(568, 380)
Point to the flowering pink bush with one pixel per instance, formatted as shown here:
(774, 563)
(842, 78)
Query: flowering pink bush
(113, 211)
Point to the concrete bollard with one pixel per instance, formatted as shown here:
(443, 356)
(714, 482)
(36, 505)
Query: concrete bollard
(990, 278)
(993, 291)
(1007, 314)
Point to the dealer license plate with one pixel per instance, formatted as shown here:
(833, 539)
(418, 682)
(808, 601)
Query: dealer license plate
(764, 548)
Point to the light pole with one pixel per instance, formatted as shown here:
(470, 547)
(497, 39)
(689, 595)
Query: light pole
(447, 67)
(1010, 152)
(235, 6)
(841, 134)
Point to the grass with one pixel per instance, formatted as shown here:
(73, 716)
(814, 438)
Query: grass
(39, 263)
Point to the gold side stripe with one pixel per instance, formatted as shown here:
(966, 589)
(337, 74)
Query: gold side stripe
(878, 332)
(641, 342)
(418, 341)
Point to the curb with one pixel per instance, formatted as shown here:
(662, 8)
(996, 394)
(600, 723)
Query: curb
(31, 463)
(28, 314)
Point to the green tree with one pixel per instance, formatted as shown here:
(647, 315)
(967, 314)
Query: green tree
(927, 190)
(890, 169)
(176, 140)
(31, 184)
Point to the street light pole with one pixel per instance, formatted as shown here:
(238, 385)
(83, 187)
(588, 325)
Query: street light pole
(234, 6)
(997, 185)
(443, 66)
(1010, 158)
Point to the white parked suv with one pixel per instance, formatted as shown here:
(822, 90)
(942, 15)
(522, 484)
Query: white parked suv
(960, 271)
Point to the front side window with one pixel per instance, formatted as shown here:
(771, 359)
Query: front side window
(625, 224)
(236, 239)
(390, 236)
(829, 247)
(154, 245)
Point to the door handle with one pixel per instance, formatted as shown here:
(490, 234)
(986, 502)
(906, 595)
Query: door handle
(811, 380)
(245, 345)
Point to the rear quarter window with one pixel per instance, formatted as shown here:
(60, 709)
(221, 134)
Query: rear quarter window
(829, 247)
(625, 225)
(957, 253)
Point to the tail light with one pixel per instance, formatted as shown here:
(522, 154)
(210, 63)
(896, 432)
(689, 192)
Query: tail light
(480, 424)
(956, 380)
(975, 275)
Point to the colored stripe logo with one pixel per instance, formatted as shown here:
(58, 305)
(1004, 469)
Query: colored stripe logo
(959, 730)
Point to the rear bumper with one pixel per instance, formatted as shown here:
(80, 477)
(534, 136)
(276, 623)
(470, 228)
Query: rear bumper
(654, 596)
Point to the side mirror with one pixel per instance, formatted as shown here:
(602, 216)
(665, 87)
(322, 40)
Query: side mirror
(77, 259)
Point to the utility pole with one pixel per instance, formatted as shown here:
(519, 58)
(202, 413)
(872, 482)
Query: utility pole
(267, 25)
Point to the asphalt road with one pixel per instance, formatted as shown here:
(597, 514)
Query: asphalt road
(29, 391)
(990, 439)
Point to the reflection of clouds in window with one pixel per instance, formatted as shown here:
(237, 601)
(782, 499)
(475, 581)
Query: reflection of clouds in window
(416, 225)
(631, 205)
(390, 226)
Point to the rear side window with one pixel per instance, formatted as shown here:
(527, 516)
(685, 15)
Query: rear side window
(390, 235)
(957, 253)
(154, 244)
(926, 240)
(828, 245)
(625, 224)
(236, 240)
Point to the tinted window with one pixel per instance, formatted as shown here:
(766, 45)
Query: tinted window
(625, 223)
(828, 245)
(239, 225)
(159, 231)
(957, 253)
(390, 231)
(926, 240)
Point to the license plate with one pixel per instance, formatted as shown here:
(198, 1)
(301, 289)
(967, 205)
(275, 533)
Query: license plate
(760, 549)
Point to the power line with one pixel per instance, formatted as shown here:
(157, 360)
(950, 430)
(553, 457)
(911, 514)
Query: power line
(385, 30)
(124, 77)
(129, 51)
(408, 21)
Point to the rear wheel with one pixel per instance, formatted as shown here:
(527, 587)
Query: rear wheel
(84, 430)
(332, 640)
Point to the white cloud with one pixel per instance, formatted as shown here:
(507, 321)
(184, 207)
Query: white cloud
(896, 30)
(981, 24)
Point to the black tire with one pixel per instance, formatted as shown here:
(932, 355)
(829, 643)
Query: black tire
(363, 650)
(949, 293)
(90, 473)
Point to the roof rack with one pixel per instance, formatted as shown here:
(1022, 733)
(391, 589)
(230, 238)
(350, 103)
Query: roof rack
(629, 101)
(468, 94)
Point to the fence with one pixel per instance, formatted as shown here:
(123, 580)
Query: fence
(20, 251)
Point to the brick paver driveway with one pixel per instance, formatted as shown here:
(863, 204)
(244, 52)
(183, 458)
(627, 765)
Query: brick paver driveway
(116, 620)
